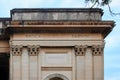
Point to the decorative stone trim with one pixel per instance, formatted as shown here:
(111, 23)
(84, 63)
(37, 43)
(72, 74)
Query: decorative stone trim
(63, 77)
(97, 50)
(33, 50)
(16, 50)
(80, 50)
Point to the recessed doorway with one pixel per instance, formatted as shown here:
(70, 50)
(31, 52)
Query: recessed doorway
(4, 66)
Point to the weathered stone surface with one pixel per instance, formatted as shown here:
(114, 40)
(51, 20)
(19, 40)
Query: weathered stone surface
(56, 14)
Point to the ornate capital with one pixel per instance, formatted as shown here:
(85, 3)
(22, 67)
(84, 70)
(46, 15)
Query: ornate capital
(33, 50)
(80, 50)
(16, 50)
(97, 50)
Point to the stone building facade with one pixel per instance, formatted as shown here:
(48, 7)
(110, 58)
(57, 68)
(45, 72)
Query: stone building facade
(53, 44)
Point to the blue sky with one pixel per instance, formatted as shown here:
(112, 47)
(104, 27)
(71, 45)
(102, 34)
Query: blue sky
(112, 46)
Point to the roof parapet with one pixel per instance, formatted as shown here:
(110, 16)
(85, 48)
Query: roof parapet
(56, 14)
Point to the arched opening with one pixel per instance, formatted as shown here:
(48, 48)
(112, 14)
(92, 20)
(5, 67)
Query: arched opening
(55, 78)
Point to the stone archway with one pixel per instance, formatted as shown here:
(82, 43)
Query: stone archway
(56, 77)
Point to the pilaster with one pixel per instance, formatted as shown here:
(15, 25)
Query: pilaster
(80, 51)
(15, 62)
(98, 62)
(33, 51)
(25, 64)
(88, 64)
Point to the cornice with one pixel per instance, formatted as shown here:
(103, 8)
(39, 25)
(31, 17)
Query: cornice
(22, 10)
(102, 27)
(58, 22)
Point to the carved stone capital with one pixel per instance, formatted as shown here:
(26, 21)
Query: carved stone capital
(97, 50)
(16, 50)
(33, 50)
(80, 50)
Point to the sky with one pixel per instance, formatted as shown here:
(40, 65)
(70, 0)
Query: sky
(112, 45)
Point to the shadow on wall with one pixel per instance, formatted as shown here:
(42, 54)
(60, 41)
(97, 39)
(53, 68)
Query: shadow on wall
(4, 66)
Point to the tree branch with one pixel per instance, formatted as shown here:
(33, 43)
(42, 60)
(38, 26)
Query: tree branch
(94, 4)
(111, 12)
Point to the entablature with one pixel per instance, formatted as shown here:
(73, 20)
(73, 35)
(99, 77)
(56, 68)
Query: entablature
(102, 27)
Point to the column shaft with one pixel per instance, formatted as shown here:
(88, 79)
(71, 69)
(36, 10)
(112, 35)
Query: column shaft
(33, 68)
(33, 54)
(80, 62)
(25, 64)
(98, 68)
(88, 64)
(16, 67)
(98, 62)
(15, 62)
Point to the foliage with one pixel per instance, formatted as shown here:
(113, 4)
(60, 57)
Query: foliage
(102, 3)
(99, 2)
